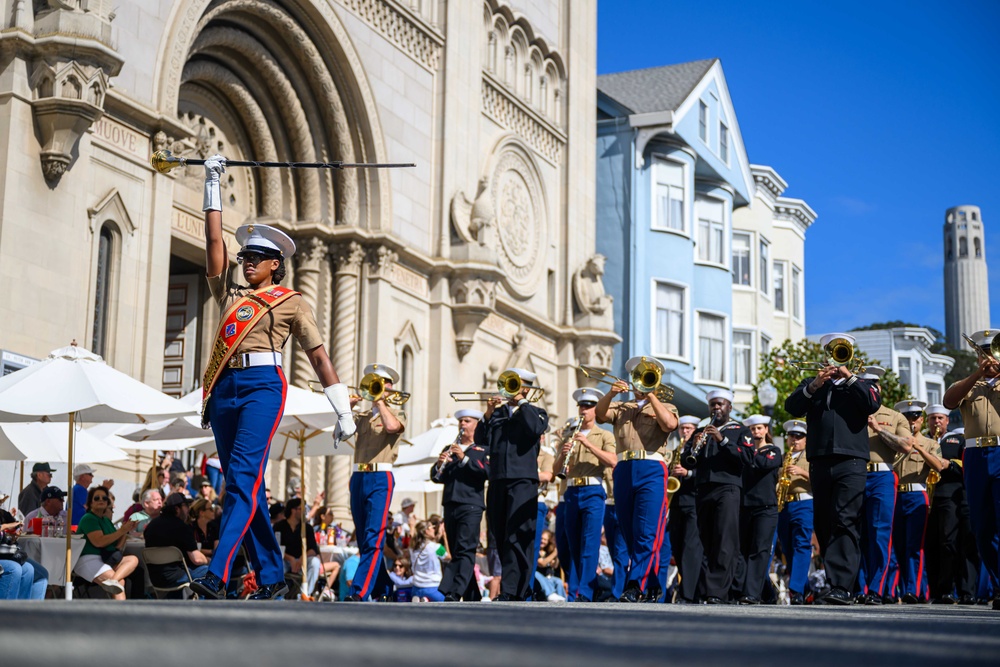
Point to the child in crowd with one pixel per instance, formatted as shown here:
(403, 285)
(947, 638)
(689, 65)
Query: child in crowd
(548, 566)
(402, 578)
(427, 555)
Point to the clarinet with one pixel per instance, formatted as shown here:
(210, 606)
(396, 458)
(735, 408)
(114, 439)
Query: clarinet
(442, 464)
(562, 474)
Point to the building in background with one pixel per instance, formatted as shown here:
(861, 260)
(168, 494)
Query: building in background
(966, 280)
(768, 267)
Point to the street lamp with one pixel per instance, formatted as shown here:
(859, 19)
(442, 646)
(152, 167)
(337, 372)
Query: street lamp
(768, 395)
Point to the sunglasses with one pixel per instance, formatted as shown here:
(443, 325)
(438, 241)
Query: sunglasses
(104, 498)
(252, 258)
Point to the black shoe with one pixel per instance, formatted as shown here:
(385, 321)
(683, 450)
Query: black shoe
(452, 597)
(269, 591)
(680, 600)
(910, 598)
(209, 587)
(969, 600)
(948, 598)
(873, 600)
(652, 595)
(714, 600)
(354, 597)
(795, 598)
(890, 599)
(506, 597)
(859, 598)
(632, 594)
(996, 603)
(746, 599)
(838, 596)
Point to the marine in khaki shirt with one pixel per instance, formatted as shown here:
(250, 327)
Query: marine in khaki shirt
(888, 435)
(637, 427)
(591, 450)
(799, 473)
(925, 454)
(380, 428)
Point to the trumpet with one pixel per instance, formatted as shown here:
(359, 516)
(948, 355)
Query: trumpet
(509, 385)
(564, 473)
(372, 388)
(839, 352)
(994, 352)
(645, 378)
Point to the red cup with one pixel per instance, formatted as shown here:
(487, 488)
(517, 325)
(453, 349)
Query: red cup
(36, 525)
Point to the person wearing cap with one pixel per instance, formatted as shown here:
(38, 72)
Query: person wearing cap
(889, 438)
(30, 497)
(584, 456)
(718, 452)
(171, 529)
(912, 503)
(641, 427)
(244, 386)
(462, 469)
(513, 428)
(404, 517)
(978, 398)
(795, 522)
(53, 505)
(84, 476)
(683, 522)
(379, 429)
(950, 547)
(836, 404)
(758, 512)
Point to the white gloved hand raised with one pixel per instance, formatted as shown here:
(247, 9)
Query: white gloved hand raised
(341, 402)
(215, 166)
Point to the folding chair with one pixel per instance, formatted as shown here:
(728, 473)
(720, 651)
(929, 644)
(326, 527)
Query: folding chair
(159, 556)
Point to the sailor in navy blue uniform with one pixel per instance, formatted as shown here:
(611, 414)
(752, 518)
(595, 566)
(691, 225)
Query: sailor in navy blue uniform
(462, 468)
(683, 522)
(759, 511)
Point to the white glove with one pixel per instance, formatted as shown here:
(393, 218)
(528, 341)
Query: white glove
(215, 166)
(341, 402)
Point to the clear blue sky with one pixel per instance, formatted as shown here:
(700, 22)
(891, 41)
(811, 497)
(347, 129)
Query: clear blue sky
(880, 114)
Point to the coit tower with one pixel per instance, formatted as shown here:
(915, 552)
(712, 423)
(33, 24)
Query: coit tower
(966, 290)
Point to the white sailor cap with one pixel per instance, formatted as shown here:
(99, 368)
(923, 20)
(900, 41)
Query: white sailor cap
(688, 419)
(872, 373)
(959, 431)
(825, 340)
(719, 393)
(466, 412)
(387, 372)
(937, 409)
(635, 361)
(985, 337)
(753, 420)
(910, 406)
(264, 239)
(526, 376)
(587, 395)
(794, 426)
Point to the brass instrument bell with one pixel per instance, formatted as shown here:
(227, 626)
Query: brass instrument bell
(372, 388)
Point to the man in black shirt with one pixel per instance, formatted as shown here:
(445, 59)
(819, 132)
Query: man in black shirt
(683, 517)
(836, 405)
(462, 468)
(512, 428)
(171, 529)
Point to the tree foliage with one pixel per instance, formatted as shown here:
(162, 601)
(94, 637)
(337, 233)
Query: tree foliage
(785, 378)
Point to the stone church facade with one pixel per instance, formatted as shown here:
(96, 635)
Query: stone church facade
(479, 258)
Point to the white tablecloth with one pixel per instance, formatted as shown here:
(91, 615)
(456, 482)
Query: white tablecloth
(51, 553)
(331, 552)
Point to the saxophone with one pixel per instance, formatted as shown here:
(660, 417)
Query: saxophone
(933, 476)
(673, 483)
(785, 481)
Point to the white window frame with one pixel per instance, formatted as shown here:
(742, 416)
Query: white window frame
(726, 348)
(798, 293)
(704, 119)
(939, 388)
(750, 259)
(763, 281)
(752, 370)
(910, 370)
(684, 357)
(784, 310)
(724, 132)
(724, 236)
(686, 213)
(765, 342)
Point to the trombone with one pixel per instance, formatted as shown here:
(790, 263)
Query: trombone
(509, 385)
(994, 352)
(372, 388)
(839, 352)
(645, 379)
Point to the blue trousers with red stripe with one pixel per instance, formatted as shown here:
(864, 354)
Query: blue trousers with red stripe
(584, 518)
(908, 529)
(618, 549)
(640, 492)
(876, 536)
(663, 564)
(245, 409)
(562, 541)
(795, 528)
(982, 490)
(371, 494)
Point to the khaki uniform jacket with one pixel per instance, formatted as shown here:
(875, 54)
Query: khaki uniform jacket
(799, 483)
(914, 469)
(636, 429)
(896, 423)
(981, 409)
(374, 445)
(582, 462)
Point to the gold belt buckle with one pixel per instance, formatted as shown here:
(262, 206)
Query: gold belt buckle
(633, 455)
(235, 361)
(988, 441)
(579, 481)
(366, 467)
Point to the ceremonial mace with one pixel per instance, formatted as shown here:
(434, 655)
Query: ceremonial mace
(164, 161)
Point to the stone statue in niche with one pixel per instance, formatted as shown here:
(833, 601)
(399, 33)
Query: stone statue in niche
(593, 302)
(476, 225)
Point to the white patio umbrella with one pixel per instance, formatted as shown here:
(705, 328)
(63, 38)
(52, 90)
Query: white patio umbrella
(38, 441)
(76, 385)
(426, 447)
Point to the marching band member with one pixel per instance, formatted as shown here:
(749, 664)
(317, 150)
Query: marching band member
(795, 523)
(888, 436)
(836, 404)
(683, 522)
(912, 502)
(376, 449)
(584, 457)
(513, 428)
(244, 386)
(759, 511)
(546, 475)
(718, 452)
(952, 559)
(641, 427)
(461, 467)
(614, 537)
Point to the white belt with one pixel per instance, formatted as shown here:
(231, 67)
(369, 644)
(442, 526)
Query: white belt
(248, 359)
(910, 488)
(372, 467)
(633, 455)
(584, 481)
(800, 496)
(879, 467)
(985, 441)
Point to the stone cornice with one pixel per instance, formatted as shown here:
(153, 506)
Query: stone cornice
(402, 27)
(795, 209)
(767, 178)
(514, 115)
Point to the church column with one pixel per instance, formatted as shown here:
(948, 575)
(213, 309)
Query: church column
(347, 258)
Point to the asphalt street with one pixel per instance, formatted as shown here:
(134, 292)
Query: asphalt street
(294, 634)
